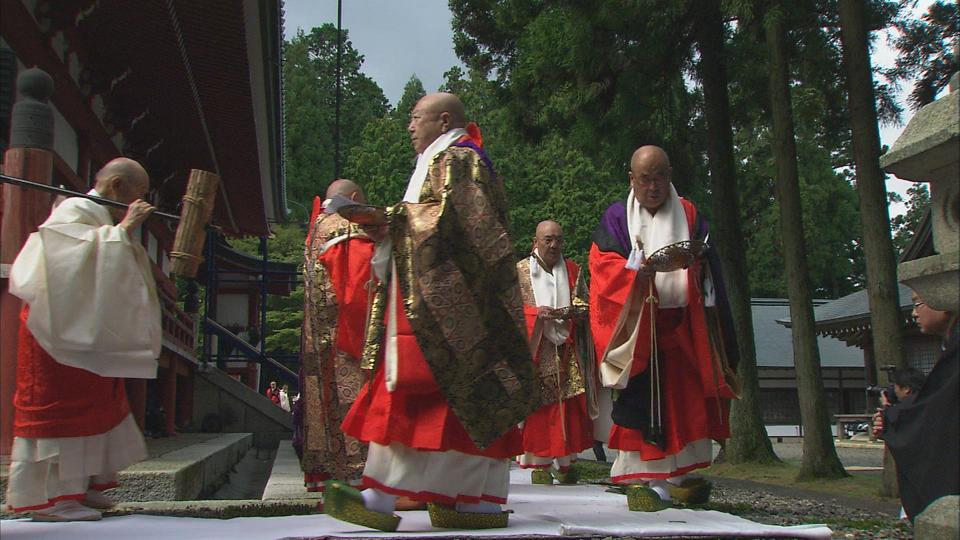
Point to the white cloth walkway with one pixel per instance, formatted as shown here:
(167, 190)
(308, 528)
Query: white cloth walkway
(538, 510)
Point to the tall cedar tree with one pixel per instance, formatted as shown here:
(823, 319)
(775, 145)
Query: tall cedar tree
(820, 458)
(748, 441)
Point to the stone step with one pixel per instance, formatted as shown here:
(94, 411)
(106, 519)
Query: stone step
(185, 473)
(286, 478)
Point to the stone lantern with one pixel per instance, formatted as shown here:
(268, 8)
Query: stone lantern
(928, 150)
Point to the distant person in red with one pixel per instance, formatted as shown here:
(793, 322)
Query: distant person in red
(91, 318)
(273, 393)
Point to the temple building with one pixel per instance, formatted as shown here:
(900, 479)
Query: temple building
(176, 85)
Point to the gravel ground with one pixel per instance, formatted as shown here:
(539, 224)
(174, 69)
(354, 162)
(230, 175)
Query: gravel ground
(848, 517)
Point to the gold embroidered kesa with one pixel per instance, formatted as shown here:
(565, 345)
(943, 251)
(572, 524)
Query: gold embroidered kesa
(457, 277)
(561, 368)
(331, 377)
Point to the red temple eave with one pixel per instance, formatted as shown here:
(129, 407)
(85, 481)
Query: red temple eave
(185, 85)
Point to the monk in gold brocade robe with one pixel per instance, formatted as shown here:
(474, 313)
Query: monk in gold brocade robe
(555, 305)
(336, 285)
(453, 373)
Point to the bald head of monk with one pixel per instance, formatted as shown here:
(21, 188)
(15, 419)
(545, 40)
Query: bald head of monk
(549, 243)
(432, 116)
(346, 188)
(122, 180)
(650, 175)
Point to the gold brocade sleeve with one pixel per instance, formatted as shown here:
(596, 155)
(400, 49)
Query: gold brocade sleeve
(458, 280)
(331, 379)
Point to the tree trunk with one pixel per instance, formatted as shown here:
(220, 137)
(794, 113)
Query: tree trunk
(819, 454)
(878, 249)
(748, 439)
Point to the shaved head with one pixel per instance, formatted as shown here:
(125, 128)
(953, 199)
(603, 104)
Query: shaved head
(549, 243)
(128, 171)
(122, 180)
(444, 102)
(546, 226)
(346, 188)
(647, 156)
(650, 175)
(434, 115)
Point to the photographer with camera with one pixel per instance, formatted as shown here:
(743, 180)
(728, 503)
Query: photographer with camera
(922, 431)
(904, 385)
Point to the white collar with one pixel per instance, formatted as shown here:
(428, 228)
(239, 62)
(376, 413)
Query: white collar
(419, 175)
(654, 231)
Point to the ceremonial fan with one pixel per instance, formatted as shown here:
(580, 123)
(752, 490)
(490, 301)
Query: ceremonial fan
(197, 208)
(354, 212)
(676, 255)
(669, 258)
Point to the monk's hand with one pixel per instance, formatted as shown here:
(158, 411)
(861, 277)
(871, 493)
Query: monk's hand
(646, 270)
(877, 423)
(138, 211)
(545, 312)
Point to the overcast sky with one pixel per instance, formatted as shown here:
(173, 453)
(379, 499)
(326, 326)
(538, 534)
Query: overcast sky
(401, 38)
(397, 38)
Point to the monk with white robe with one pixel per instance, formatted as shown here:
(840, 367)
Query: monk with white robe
(91, 318)
(555, 304)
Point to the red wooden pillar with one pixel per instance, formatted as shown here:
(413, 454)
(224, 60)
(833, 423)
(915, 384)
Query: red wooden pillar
(29, 157)
(185, 400)
(137, 398)
(168, 394)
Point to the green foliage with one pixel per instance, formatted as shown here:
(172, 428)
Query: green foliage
(309, 73)
(926, 48)
(383, 159)
(577, 86)
(284, 313)
(905, 226)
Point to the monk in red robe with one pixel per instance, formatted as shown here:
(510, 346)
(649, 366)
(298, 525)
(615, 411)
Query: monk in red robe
(336, 288)
(454, 375)
(662, 338)
(91, 318)
(556, 309)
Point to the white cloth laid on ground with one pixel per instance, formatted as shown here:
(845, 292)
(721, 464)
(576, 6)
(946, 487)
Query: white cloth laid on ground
(581, 510)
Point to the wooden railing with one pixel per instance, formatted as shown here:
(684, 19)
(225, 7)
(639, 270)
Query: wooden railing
(178, 326)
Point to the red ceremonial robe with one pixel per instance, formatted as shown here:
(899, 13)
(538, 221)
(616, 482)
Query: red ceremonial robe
(695, 397)
(560, 427)
(336, 305)
(53, 400)
(416, 414)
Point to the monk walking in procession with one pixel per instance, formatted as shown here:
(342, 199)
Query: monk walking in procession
(555, 303)
(91, 318)
(663, 338)
(336, 279)
(453, 373)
